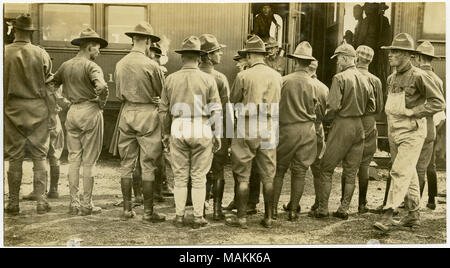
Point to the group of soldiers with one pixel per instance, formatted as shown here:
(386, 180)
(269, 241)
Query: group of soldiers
(153, 114)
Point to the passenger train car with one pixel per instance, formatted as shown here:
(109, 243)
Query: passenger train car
(322, 24)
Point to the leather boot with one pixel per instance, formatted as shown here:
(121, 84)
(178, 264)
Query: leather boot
(126, 185)
(297, 187)
(277, 187)
(342, 212)
(137, 189)
(232, 204)
(157, 188)
(324, 195)
(410, 220)
(149, 214)
(386, 221)
(40, 180)
(14, 182)
(268, 205)
(54, 179)
(218, 195)
(242, 200)
(363, 184)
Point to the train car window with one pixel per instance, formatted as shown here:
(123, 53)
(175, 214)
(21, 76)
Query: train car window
(434, 28)
(120, 19)
(64, 22)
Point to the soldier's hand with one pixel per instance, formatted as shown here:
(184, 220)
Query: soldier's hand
(217, 144)
(156, 100)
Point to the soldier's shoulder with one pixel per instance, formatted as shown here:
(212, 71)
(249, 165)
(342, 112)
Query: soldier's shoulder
(417, 72)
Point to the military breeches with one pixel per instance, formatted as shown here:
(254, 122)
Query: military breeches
(345, 143)
(191, 158)
(140, 138)
(84, 126)
(297, 147)
(244, 151)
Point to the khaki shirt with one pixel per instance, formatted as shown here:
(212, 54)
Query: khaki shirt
(138, 78)
(258, 84)
(422, 95)
(221, 81)
(298, 98)
(375, 82)
(180, 89)
(26, 69)
(350, 94)
(77, 76)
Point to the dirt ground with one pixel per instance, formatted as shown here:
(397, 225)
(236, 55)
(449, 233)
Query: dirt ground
(57, 228)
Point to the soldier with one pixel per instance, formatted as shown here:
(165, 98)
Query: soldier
(427, 156)
(412, 96)
(56, 147)
(214, 50)
(27, 112)
(364, 58)
(139, 84)
(257, 85)
(191, 153)
(84, 86)
(322, 94)
(273, 59)
(350, 98)
(298, 144)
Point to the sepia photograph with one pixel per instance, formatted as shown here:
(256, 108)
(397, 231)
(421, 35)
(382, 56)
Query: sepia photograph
(149, 124)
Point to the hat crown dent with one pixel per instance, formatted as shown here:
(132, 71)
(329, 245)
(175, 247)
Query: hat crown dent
(144, 27)
(403, 40)
(88, 32)
(255, 43)
(209, 43)
(304, 48)
(191, 43)
(426, 48)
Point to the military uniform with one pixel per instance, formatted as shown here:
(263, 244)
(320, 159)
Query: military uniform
(350, 98)
(257, 85)
(426, 159)
(370, 134)
(84, 123)
(297, 147)
(191, 155)
(322, 94)
(277, 63)
(412, 95)
(210, 44)
(26, 70)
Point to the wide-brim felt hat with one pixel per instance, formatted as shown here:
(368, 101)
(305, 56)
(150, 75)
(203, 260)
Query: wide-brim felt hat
(209, 43)
(238, 56)
(253, 45)
(427, 49)
(302, 51)
(24, 22)
(191, 44)
(89, 35)
(402, 41)
(145, 29)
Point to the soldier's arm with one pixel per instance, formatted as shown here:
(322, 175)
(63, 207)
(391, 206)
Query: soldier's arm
(157, 80)
(118, 92)
(164, 115)
(321, 107)
(101, 87)
(434, 99)
(371, 100)
(379, 97)
(334, 100)
(236, 94)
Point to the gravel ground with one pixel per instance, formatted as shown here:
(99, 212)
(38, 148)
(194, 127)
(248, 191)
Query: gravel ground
(57, 228)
